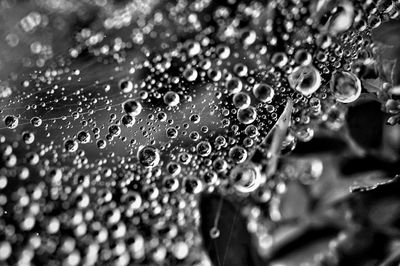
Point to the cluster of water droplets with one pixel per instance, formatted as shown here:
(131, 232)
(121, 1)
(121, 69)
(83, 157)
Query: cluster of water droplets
(106, 151)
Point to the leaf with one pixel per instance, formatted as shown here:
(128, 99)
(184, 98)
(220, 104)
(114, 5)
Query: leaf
(372, 85)
(382, 204)
(387, 62)
(368, 163)
(320, 144)
(365, 122)
(234, 245)
(278, 136)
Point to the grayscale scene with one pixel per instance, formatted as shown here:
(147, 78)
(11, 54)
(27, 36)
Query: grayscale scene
(200, 132)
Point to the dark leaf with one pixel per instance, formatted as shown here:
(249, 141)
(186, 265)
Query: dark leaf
(365, 122)
(234, 246)
(320, 144)
(369, 163)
